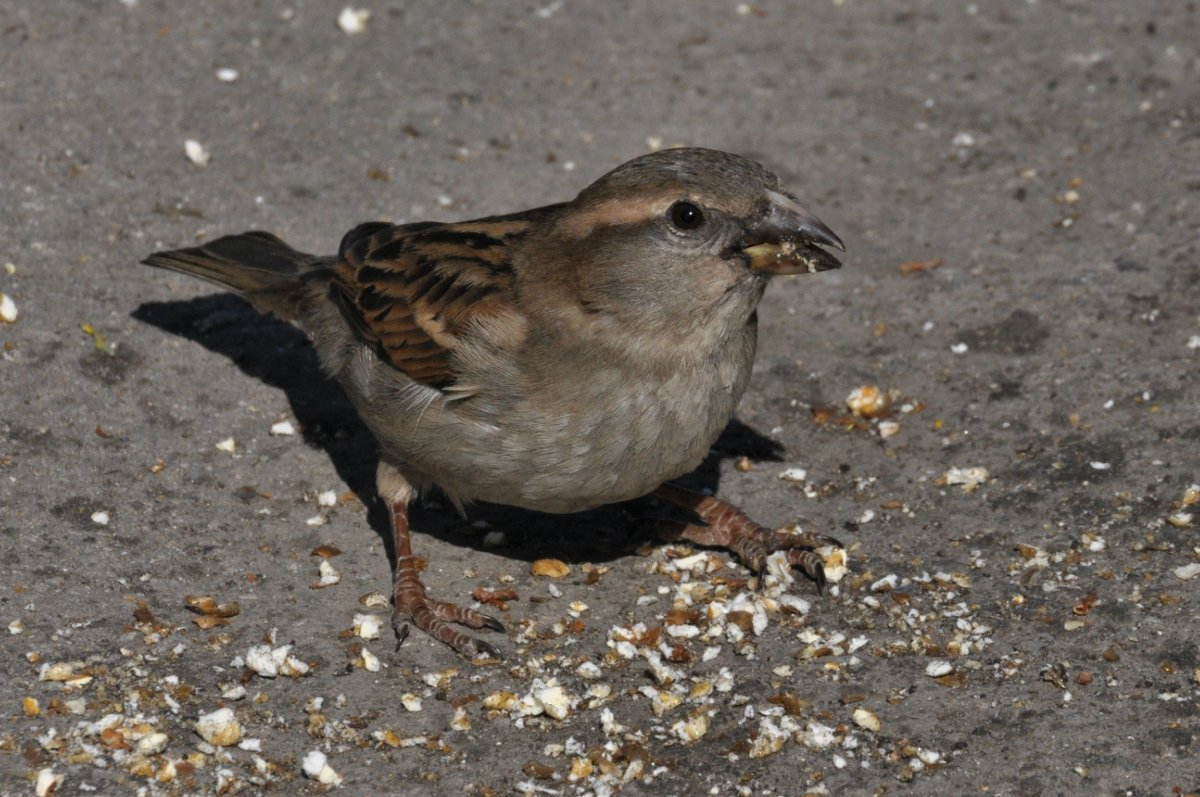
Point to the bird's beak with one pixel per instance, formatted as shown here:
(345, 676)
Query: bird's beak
(788, 240)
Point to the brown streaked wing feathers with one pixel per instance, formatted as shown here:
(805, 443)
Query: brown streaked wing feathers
(413, 291)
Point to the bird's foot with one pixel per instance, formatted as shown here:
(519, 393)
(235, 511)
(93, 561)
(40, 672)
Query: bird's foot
(412, 605)
(726, 526)
(438, 618)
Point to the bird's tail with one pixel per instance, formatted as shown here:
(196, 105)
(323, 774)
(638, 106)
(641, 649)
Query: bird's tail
(257, 265)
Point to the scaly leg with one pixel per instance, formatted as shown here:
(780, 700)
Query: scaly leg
(411, 602)
(728, 527)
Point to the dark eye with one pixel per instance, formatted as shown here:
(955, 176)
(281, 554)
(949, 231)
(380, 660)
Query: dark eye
(685, 216)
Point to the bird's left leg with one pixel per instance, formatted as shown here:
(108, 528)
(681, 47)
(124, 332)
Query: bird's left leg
(726, 526)
(412, 604)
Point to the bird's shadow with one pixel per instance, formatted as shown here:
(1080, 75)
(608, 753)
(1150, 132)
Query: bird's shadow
(280, 355)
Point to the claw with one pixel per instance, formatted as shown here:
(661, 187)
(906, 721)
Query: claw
(493, 624)
(401, 631)
(818, 576)
(486, 649)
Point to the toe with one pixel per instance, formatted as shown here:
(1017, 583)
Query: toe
(438, 618)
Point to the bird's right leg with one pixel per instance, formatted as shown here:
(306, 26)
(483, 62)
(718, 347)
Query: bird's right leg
(435, 618)
(726, 526)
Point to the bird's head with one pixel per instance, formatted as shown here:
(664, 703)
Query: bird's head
(681, 234)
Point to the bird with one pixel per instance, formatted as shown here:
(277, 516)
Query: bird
(557, 359)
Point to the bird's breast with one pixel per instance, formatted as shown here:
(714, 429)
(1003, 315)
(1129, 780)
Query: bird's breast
(583, 433)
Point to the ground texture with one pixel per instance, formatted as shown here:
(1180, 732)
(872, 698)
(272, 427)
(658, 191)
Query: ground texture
(1018, 185)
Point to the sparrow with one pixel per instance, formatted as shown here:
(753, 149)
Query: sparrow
(557, 359)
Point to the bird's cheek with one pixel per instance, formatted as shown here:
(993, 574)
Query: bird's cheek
(718, 277)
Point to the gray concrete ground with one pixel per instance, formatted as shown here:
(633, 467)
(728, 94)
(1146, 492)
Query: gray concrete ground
(1038, 161)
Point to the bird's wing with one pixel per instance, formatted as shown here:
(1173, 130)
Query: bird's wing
(415, 292)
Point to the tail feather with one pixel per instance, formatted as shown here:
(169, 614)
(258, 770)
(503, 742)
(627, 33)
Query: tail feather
(257, 265)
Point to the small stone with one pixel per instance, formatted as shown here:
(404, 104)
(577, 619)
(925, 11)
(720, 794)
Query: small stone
(353, 20)
(794, 475)
(367, 626)
(460, 721)
(501, 701)
(819, 736)
(219, 728)
(293, 667)
(196, 152)
(867, 720)
(233, 692)
(47, 782)
(261, 660)
(329, 575)
(550, 568)
(8, 314)
(316, 766)
(833, 559)
(929, 757)
(968, 478)
(693, 728)
(58, 671)
(554, 701)
(1180, 520)
(868, 401)
(938, 667)
(1187, 572)
(152, 743)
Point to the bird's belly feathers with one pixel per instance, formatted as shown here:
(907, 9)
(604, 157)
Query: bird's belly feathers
(614, 442)
(598, 437)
